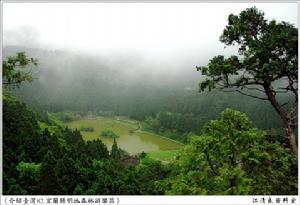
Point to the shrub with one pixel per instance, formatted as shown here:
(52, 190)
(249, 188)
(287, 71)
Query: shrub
(86, 129)
(108, 133)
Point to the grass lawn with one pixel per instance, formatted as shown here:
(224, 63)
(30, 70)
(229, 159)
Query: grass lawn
(131, 139)
(163, 155)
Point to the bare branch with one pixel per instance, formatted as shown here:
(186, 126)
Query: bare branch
(284, 104)
(280, 91)
(247, 83)
(253, 96)
(294, 90)
(254, 89)
(229, 91)
(249, 95)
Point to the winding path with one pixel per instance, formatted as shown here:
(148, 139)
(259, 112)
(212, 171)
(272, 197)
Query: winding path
(139, 129)
(130, 122)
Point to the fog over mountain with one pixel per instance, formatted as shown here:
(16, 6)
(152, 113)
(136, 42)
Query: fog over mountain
(122, 56)
(161, 35)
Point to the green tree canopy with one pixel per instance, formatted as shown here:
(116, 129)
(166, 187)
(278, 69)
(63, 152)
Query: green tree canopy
(115, 151)
(268, 55)
(231, 157)
(15, 69)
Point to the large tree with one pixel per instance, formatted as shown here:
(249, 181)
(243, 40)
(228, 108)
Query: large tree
(267, 64)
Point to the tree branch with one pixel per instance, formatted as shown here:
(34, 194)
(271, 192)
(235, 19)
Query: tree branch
(249, 95)
(253, 89)
(210, 164)
(284, 104)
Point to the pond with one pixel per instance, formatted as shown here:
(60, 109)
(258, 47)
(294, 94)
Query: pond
(132, 141)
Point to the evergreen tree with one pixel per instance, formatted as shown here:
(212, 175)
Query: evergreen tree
(231, 157)
(115, 152)
(48, 180)
(269, 54)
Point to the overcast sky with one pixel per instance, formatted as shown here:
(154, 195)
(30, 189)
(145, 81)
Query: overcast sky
(150, 29)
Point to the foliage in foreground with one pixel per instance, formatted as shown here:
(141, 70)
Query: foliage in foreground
(231, 157)
(39, 162)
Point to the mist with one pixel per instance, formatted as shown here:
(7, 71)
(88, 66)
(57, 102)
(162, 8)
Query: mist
(168, 36)
(130, 58)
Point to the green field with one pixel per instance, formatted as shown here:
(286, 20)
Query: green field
(163, 155)
(131, 139)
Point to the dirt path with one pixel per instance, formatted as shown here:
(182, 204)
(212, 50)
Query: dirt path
(130, 122)
(140, 130)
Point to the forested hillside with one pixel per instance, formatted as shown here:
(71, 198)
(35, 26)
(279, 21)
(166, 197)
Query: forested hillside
(98, 87)
(67, 117)
(63, 158)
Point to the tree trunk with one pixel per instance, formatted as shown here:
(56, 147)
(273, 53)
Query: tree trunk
(291, 137)
(285, 117)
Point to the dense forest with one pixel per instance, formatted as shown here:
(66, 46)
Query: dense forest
(232, 143)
